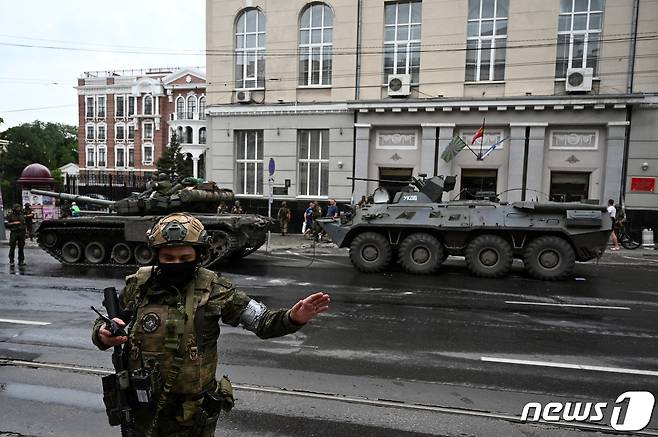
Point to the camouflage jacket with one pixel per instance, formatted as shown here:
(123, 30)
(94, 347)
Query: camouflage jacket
(158, 329)
(14, 217)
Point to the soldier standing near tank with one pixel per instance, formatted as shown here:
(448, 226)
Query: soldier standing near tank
(172, 313)
(237, 209)
(284, 217)
(29, 220)
(17, 230)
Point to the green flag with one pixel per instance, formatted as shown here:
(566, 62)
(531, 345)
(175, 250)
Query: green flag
(454, 147)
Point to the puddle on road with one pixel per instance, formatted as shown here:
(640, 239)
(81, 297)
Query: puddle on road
(53, 395)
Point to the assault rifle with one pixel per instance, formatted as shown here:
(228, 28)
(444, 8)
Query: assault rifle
(116, 387)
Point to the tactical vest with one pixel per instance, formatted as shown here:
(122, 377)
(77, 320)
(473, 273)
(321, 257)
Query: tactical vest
(161, 332)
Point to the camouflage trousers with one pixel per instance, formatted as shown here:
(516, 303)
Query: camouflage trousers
(168, 426)
(284, 226)
(17, 239)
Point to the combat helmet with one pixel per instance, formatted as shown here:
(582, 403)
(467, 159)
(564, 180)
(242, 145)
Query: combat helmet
(177, 229)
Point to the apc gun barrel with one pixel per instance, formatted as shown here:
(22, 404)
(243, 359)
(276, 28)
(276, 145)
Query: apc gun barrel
(381, 180)
(73, 197)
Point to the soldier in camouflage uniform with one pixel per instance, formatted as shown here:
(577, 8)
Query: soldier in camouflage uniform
(173, 311)
(17, 231)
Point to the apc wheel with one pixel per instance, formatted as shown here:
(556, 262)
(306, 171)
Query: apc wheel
(370, 252)
(121, 253)
(420, 253)
(49, 239)
(72, 251)
(549, 258)
(489, 256)
(95, 252)
(143, 254)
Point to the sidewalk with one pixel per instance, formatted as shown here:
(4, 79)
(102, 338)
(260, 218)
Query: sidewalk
(298, 242)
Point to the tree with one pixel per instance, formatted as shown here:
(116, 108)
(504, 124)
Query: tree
(50, 144)
(173, 162)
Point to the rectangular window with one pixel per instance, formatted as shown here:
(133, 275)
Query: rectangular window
(249, 161)
(402, 39)
(147, 131)
(313, 155)
(131, 156)
(90, 132)
(89, 110)
(478, 184)
(486, 40)
(131, 132)
(101, 133)
(100, 101)
(578, 35)
(102, 154)
(120, 157)
(131, 105)
(120, 134)
(119, 106)
(147, 154)
(91, 159)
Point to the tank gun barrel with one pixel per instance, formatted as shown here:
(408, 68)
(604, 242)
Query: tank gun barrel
(73, 197)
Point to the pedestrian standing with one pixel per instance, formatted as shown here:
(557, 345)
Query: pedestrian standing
(29, 220)
(17, 230)
(309, 218)
(172, 312)
(284, 215)
(613, 215)
(332, 210)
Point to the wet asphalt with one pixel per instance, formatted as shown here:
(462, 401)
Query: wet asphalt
(403, 355)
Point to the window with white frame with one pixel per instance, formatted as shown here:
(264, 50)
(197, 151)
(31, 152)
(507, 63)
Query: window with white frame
(202, 108)
(120, 157)
(131, 156)
(91, 133)
(313, 156)
(120, 133)
(148, 105)
(102, 156)
(102, 133)
(402, 21)
(100, 106)
(249, 161)
(191, 107)
(131, 105)
(315, 44)
(91, 156)
(579, 35)
(147, 130)
(89, 107)
(486, 41)
(119, 106)
(180, 108)
(147, 153)
(131, 132)
(250, 49)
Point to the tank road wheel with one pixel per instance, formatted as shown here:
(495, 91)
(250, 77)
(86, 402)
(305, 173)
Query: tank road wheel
(48, 239)
(549, 258)
(489, 256)
(95, 252)
(121, 253)
(221, 245)
(420, 253)
(72, 251)
(143, 254)
(370, 252)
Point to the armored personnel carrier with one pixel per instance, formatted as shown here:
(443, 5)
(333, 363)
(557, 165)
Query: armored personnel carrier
(118, 237)
(419, 231)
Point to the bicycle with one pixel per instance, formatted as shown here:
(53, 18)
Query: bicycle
(625, 238)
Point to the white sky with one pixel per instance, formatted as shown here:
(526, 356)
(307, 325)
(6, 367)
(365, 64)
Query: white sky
(33, 77)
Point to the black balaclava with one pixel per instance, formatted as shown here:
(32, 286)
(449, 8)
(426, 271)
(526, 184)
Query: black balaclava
(179, 274)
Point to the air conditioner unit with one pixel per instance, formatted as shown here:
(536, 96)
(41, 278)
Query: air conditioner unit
(579, 79)
(399, 85)
(243, 96)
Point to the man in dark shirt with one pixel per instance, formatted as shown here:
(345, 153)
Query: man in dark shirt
(17, 228)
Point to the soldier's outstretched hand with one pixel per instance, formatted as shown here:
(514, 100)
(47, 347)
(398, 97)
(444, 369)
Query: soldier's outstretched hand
(304, 310)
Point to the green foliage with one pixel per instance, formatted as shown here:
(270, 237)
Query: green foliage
(49, 144)
(173, 162)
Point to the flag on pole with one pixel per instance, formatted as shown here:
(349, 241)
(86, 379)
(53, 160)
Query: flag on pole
(478, 134)
(492, 148)
(453, 148)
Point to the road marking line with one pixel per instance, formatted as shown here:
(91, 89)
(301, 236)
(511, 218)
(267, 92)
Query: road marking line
(570, 366)
(572, 305)
(24, 322)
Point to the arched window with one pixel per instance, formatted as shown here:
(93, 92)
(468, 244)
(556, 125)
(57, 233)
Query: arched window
(180, 108)
(191, 107)
(202, 135)
(315, 44)
(148, 105)
(189, 135)
(202, 108)
(250, 49)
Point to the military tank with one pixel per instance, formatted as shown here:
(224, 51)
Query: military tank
(419, 231)
(118, 236)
